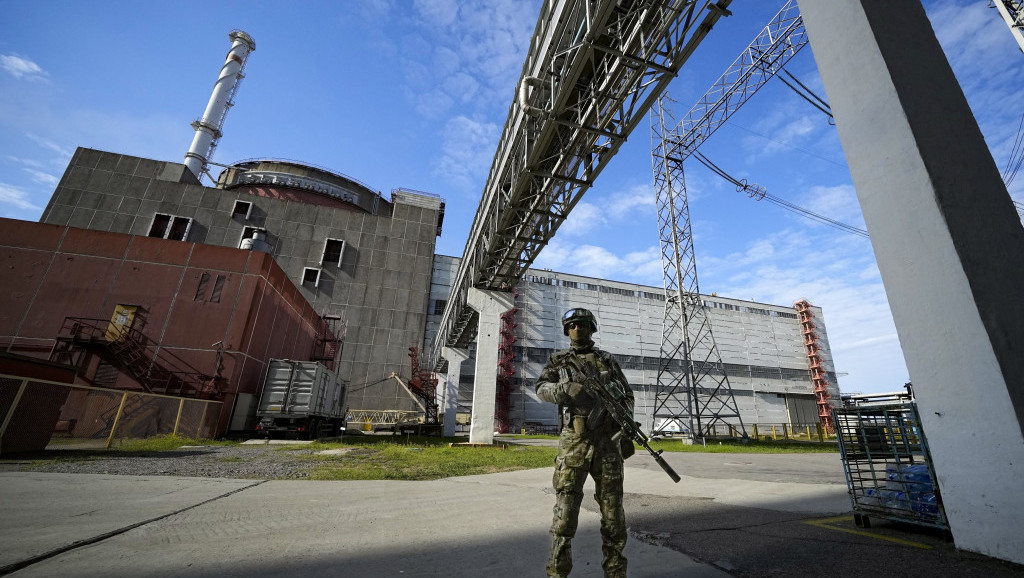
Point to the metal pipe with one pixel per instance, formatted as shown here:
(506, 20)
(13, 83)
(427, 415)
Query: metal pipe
(524, 100)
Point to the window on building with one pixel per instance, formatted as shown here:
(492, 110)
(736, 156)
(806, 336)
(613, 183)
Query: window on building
(218, 286)
(250, 232)
(333, 250)
(311, 276)
(241, 209)
(204, 280)
(439, 305)
(170, 227)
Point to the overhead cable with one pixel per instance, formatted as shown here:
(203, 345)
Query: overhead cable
(367, 385)
(807, 94)
(1016, 159)
(758, 192)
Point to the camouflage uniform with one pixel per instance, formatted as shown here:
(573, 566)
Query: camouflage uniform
(586, 446)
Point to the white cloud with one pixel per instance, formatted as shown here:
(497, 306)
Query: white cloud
(19, 67)
(48, 144)
(589, 260)
(838, 203)
(583, 219)
(476, 45)
(437, 12)
(467, 150)
(12, 195)
(836, 272)
(42, 178)
(624, 204)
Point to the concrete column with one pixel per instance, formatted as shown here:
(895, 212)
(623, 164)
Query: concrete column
(490, 305)
(949, 247)
(455, 357)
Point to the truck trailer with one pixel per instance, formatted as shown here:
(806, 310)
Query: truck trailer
(301, 398)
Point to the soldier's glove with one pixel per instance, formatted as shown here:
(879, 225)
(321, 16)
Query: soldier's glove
(576, 395)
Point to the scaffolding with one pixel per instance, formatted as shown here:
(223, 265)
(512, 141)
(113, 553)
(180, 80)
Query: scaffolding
(818, 374)
(506, 370)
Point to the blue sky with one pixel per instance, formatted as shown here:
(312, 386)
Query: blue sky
(414, 94)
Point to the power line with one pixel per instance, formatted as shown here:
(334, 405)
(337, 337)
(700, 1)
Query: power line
(758, 193)
(1016, 159)
(807, 94)
(367, 385)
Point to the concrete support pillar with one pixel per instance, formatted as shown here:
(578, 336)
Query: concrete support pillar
(490, 305)
(949, 247)
(455, 357)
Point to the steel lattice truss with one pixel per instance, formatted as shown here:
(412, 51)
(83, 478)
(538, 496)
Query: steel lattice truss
(1012, 12)
(593, 70)
(773, 47)
(693, 388)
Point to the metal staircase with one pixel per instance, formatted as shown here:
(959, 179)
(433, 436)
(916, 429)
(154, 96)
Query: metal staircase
(129, 350)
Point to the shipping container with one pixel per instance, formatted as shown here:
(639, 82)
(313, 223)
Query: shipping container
(301, 398)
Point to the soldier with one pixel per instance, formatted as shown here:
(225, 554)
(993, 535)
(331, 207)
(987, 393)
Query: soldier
(591, 442)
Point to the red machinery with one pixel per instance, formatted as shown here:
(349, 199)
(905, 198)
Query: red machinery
(423, 383)
(506, 370)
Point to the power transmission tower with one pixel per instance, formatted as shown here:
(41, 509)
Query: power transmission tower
(1012, 12)
(693, 389)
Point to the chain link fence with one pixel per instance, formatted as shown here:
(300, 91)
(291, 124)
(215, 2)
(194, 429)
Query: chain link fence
(38, 414)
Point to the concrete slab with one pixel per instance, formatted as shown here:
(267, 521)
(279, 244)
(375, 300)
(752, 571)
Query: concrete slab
(45, 512)
(732, 514)
(494, 525)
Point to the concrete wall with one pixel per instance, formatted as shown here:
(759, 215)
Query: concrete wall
(760, 344)
(55, 272)
(950, 250)
(379, 289)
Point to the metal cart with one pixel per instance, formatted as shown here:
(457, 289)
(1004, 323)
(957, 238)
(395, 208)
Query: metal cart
(887, 463)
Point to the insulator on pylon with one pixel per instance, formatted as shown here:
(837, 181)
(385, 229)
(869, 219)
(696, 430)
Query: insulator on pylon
(752, 190)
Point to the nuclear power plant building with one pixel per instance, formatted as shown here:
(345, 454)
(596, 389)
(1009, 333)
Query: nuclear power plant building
(350, 278)
(362, 261)
(764, 348)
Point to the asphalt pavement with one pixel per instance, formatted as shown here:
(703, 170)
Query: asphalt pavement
(742, 515)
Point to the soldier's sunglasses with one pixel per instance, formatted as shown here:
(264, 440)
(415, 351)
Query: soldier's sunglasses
(578, 325)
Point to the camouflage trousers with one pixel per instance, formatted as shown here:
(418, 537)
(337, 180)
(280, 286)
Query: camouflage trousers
(596, 454)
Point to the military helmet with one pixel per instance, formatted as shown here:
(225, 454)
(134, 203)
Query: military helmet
(578, 314)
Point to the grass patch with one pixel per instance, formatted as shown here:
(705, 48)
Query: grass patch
(420, 458)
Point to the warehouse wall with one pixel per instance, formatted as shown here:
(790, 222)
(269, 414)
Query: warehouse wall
(760, 344)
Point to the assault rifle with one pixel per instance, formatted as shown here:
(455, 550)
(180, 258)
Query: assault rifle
(614, 402)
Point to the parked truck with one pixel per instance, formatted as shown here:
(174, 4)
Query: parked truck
(301, 398)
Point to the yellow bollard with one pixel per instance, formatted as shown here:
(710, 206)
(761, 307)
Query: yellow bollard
(117, 418)
(177, 420)
(775, 436)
